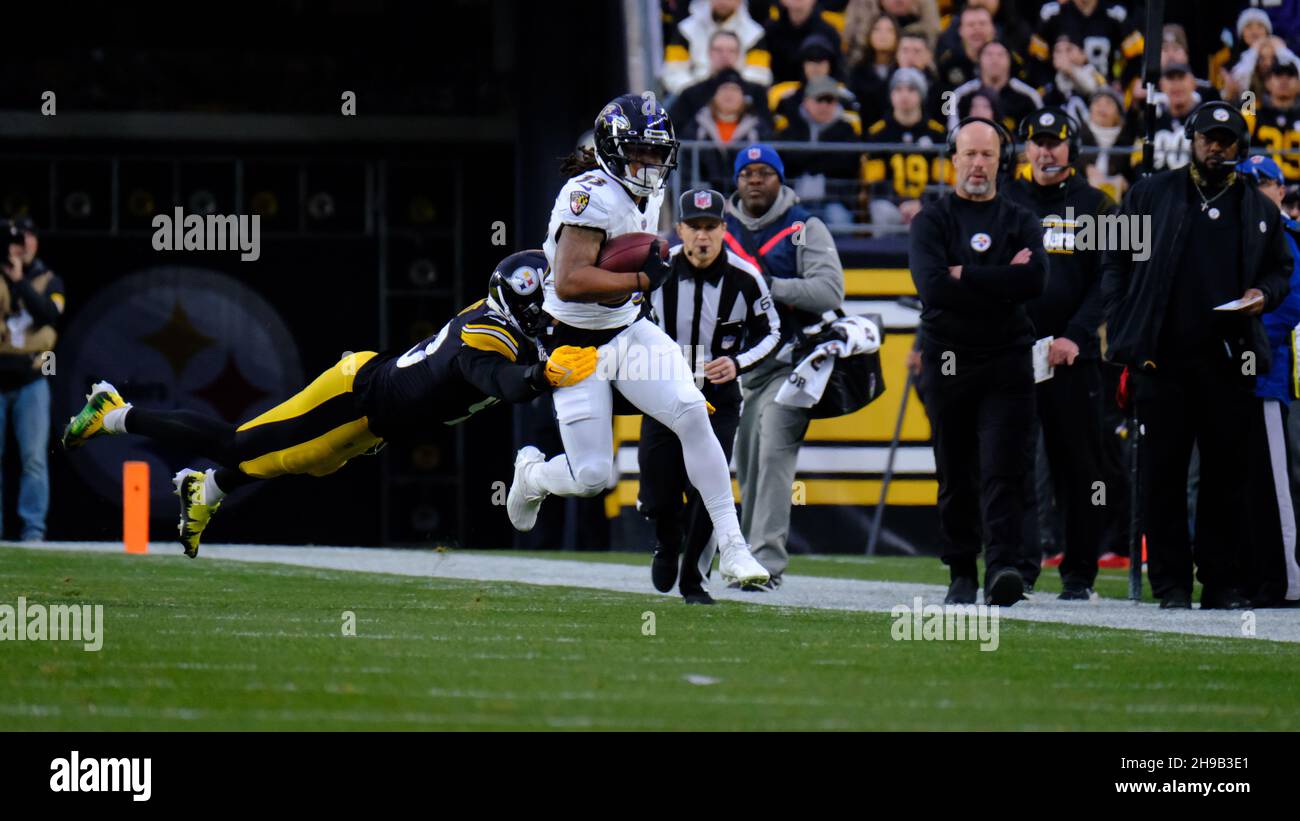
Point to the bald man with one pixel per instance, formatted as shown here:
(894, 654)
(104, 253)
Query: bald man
(976, 259)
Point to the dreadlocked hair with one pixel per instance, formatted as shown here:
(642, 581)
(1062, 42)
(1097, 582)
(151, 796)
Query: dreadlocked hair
(580, 161)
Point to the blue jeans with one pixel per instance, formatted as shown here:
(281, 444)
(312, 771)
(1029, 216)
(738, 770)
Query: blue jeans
(30, 409)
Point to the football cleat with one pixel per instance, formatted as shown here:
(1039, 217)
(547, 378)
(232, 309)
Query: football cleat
(195, 510)
(522, 506)
(89, 423)
(738, 565)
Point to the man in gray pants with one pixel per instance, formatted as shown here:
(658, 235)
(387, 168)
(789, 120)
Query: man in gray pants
(767, 226)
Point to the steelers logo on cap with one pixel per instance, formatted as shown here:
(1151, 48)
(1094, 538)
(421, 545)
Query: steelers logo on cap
(1046, 118)
(981, 242)
(1220, 114)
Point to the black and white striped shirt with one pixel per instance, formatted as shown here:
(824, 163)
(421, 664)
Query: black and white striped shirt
(722, 310)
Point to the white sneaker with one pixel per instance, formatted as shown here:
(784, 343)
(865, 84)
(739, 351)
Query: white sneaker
(738, 565)
(522, 505)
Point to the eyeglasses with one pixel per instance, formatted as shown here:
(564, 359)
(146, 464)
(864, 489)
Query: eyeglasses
(825, 99)
(753, 173)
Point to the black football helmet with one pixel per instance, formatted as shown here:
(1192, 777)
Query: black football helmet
(515, 289)
(636, 122)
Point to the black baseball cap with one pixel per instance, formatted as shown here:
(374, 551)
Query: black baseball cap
(25, 224)
(1219, 116)
(700, 203)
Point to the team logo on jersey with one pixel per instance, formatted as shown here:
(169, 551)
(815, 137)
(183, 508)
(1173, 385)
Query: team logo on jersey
(1220, 114)
(524, 280)
(578, 201)
(703, 199)
(981, 242)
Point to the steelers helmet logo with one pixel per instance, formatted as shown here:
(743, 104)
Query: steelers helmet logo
(524, 281)
(1220, 114)
(1046, 119)
(981, 242)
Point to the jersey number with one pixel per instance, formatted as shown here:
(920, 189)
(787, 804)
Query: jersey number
(911, 173)
(418, 354)
(589, 179)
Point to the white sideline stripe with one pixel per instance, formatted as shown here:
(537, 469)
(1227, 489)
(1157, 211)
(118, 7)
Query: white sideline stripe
(807, 592)
(862, 459)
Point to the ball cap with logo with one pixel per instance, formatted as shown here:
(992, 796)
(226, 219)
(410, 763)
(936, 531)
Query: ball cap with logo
(759, 153)
(1220, 118)
(1261, 168)
(700, 203)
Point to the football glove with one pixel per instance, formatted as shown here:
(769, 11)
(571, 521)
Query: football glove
(656, 267)
(569, 365)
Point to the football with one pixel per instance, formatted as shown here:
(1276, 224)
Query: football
(627, 253)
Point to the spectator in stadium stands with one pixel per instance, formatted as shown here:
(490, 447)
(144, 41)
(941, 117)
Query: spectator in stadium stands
(1277, 122)
(819, 59)
(1075, 80)
(897, 179)
(1172, 148)
(1291, 207)
(820, 178)
(1114, 39)
(980, 104)
(870, 65)
(1015, 98)
(686, 53)
(717, 306)
(950, 40)
(976, 258)
(1212, 241)
(727, 122)
(920, 15)
(31, 303)
(1274, 578)
(797, 21)
(958, 62)
(724, 54)
(1104, 123)
(914, 52)
(803, 272)
(1260, 49)
(1069, 405)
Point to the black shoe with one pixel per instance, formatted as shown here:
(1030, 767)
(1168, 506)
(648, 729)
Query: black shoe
(1176, 600)
(962, 591)
(773, 583)
(1075, 591)
(663, 570)
(698, 598)
(1223, 599)
(1005, 588)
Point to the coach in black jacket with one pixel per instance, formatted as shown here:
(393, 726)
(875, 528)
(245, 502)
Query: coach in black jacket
(1212, 240)
(976, 259)
(717, 306)
(1070, 403)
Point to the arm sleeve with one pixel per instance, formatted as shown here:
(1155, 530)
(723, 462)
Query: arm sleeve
(1016, 283)
(757, 63)
(1117, 265)
(495, 375)
(44, 308)
(1083, 325)
(820, 284)
(762, 324)
(676, 71)
(1276, 265)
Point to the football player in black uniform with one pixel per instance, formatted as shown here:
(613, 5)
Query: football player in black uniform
(485, 354)
(1277, 126)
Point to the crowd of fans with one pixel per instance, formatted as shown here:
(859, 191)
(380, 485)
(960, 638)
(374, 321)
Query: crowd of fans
(889, 78)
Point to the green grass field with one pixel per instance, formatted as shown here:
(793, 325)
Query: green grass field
(223, 645)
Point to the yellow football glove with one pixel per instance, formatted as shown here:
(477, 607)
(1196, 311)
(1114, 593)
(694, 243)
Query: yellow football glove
(569, 365)
(709, 405)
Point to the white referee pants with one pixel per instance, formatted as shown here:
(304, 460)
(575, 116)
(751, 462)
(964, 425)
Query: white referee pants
(649, 369)
(1277, 456)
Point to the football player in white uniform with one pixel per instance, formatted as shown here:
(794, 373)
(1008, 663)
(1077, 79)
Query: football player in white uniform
(635, 151)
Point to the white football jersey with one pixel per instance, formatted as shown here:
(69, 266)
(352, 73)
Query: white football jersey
(594, 199)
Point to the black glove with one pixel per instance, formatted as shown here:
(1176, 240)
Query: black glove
(656, 268)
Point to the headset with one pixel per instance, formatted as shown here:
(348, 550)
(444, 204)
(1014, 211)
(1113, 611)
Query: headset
(1054, 121)
(1243, 135)
(1007, 157)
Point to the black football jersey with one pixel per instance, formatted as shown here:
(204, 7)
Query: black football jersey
(905, 174)
(476, 360)
(1279, 130)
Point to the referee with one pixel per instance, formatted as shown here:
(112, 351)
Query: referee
(715, 305)
(976, 259)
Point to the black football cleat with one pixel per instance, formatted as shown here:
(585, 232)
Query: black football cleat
(962, 591)
(663, 570)
(1223, 599)
(1176, 600)
(1075, 591)
(1005, 588)
(698, 597)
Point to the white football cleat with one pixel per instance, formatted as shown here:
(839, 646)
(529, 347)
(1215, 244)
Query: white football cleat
(522, 505)
(737, 565)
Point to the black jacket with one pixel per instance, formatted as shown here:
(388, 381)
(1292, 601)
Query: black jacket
(1135, 293)
(1070, 307)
